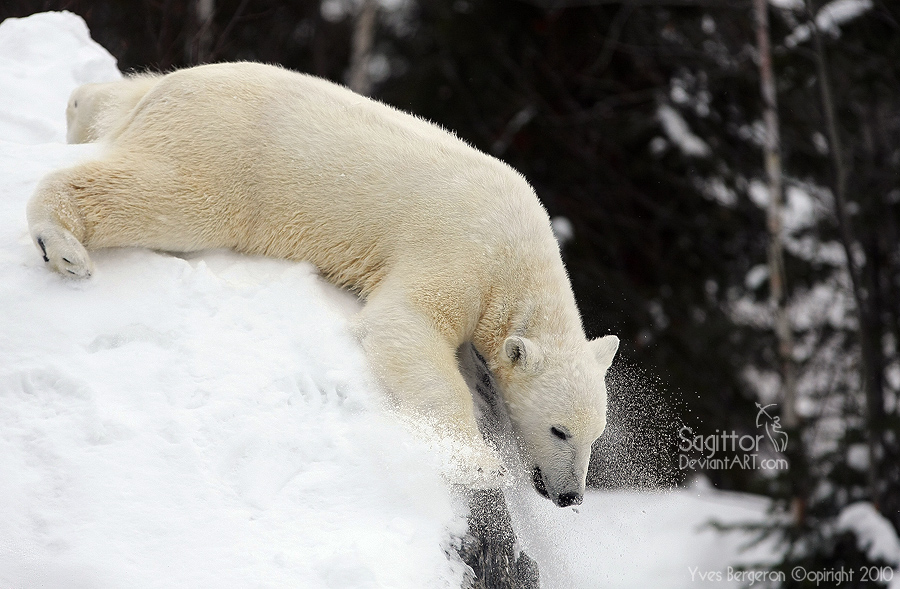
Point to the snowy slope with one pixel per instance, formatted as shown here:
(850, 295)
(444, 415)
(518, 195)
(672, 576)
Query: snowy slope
(177, 422)
(207, 421)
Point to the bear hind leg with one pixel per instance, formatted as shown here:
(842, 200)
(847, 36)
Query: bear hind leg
(55, 225)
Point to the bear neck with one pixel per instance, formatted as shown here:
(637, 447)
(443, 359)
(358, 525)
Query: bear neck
(548, 316)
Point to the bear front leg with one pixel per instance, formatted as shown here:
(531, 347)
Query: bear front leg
(56, 226)
(419, 370)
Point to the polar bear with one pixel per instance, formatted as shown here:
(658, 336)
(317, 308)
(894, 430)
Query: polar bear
(444, 243)
(94, 109)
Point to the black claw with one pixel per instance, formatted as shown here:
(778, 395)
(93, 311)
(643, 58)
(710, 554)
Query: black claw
(67, 260)
(70, 271)
(43, 249)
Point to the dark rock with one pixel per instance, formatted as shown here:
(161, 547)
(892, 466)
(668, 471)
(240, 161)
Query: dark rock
(489, 547)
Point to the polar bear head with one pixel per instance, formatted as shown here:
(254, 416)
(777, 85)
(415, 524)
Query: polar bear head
(556, 397)
(84, 112)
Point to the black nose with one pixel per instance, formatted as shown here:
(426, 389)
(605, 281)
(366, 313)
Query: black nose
(567, 499)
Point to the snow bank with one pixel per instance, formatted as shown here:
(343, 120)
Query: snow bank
(45, 57)
(186, 422)
(207, 421)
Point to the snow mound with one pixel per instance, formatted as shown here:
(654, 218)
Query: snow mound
(45, 57)
(201, 421)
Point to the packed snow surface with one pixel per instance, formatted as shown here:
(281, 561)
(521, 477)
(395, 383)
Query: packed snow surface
(207, 421)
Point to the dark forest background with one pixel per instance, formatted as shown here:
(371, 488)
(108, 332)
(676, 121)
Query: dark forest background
(640, 124)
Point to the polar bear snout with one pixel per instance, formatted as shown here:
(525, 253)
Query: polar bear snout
(561, 499)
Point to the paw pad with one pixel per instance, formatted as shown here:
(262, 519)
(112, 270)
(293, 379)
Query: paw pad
(63, 252)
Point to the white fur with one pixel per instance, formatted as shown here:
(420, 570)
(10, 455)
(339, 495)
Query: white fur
(446, 244)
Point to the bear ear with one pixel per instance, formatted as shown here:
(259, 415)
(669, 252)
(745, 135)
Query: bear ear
(522, 352)
(604, 349)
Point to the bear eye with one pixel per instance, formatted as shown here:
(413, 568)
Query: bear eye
(559, 433)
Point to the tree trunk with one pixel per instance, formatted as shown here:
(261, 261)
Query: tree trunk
(772, 156)
(871, 370)
(363, 37)
(490, 547)
(199, 41)
(777, 278)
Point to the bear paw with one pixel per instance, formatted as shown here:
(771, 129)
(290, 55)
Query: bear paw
(488, 476)
(62, 251)
(477, 468)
